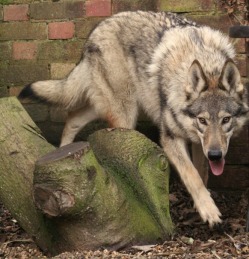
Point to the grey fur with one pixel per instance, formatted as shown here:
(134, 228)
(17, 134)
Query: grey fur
(181, 74)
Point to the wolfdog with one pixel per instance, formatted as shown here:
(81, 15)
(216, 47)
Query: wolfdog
(180, 73)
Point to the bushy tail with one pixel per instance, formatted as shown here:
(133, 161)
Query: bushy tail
(68, 93)
(47, 91)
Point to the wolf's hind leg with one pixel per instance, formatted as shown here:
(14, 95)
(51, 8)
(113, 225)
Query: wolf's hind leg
(200, 162)
(118, 112)
(75, 122)
(176, 150)
(121, 119)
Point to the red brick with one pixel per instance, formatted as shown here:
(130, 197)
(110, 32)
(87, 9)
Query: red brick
(14, 90)
(24, 50)
(15, 12)
(61, 30)
(98, 8)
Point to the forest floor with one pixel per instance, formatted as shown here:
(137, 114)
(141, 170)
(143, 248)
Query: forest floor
(192, 238)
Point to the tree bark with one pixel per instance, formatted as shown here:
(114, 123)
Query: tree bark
(109, 194)
(21, 144)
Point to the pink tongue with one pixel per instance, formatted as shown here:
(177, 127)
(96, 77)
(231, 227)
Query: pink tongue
(217, 166)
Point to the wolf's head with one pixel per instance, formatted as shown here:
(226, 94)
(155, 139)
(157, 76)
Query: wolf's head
(218, 107)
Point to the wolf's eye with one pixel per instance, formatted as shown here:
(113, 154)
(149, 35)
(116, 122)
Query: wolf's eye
(202, 121)
(226, 120)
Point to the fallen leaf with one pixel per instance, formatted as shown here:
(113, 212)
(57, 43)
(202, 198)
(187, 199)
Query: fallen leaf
(187, 240)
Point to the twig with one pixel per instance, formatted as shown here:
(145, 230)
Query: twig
(230, 237)
(236, 246)
(19, 241)
(215, 254)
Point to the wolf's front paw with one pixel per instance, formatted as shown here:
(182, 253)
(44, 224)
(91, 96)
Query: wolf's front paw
(207, 209)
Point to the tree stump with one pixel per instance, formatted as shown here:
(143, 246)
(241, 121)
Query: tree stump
(109, 193)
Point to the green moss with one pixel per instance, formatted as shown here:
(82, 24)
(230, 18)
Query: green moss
(154, 173)
(183, 6)
(114, 197)
(6, 2)
(128, 210)
(120, 192)
(140, 167)
(179, 6)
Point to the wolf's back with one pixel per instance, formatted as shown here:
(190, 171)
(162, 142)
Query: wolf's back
(129, 39)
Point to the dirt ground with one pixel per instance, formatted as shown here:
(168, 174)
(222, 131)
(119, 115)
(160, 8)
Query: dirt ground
(192, 238)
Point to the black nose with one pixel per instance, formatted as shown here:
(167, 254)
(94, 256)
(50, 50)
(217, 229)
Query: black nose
(214, 155)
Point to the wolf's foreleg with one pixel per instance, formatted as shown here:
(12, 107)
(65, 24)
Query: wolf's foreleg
(176, 150)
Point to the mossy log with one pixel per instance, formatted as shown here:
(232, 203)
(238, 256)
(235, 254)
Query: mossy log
(21, 144)
(108, 193)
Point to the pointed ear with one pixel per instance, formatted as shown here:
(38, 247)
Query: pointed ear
(197, 81)
(230, 79)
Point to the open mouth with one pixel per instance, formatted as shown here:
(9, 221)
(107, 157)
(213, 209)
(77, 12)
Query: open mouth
(217, 166)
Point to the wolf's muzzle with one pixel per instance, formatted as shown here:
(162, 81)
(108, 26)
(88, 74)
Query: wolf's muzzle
(214, 155)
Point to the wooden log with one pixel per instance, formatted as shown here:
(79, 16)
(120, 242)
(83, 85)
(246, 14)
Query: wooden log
(21, 144)
(141, 163)
(110, 195)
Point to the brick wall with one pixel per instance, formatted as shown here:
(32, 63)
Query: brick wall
(43, 40)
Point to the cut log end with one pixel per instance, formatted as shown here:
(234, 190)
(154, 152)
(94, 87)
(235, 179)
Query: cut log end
(52, 203)
(75, 150)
